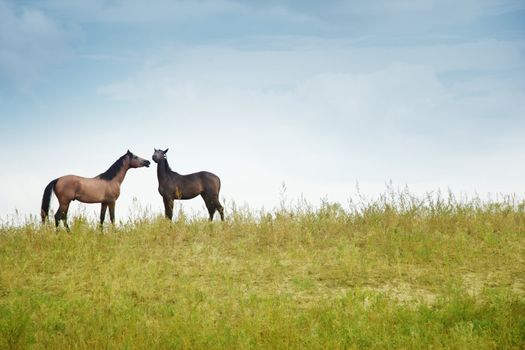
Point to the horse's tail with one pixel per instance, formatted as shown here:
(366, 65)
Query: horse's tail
(46, 199)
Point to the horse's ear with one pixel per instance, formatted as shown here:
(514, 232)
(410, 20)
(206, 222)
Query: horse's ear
(128, 152)
(166, 151)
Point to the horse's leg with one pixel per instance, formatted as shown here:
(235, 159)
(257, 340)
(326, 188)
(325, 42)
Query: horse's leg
(58, 217)
(168, 207)
(209, 204)
(112, 212)
(103, 208)
(61, 214)
(214, 201)
(219, 207)
(65, 220)
(211, 210)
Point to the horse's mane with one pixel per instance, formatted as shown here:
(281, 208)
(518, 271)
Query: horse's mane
(113, 169)
(167, 169)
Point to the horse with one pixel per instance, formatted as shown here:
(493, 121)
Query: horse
(175, 186)
(104, 189)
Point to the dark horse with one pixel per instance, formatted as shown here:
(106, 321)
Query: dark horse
(175, 186)
(104, 188)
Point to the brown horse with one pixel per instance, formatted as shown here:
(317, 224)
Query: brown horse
(104, 188)
(175, 186)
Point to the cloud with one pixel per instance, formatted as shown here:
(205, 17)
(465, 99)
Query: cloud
(332, 78)
(136, 11)
(321, 110)
(30, 41)
(323, 117)
(300, 11)
(468, 8)
(393, 22)
(164, 10)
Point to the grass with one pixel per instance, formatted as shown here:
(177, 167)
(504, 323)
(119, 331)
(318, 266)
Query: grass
(398, 272)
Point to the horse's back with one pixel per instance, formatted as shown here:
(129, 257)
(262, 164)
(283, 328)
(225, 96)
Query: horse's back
(208, 175)
(84, 189)
(210, 181)
(68, 181)
(202, 182)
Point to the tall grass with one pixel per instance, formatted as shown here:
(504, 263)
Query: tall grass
(397, 272)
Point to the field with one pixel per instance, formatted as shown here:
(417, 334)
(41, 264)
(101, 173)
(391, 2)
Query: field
(396, 272)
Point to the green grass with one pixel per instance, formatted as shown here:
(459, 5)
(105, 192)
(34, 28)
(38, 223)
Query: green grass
(399, 272)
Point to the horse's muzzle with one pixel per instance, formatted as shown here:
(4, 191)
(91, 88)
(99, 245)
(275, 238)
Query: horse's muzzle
(147, 163)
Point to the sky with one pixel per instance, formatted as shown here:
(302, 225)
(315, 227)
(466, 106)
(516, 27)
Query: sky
(328, 98)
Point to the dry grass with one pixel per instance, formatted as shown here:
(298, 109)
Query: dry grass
(400, 272)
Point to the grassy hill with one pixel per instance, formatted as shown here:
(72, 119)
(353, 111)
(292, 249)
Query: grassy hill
(399, 272)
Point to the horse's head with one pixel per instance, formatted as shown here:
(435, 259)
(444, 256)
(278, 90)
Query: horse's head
(159, 155)
(136, 161)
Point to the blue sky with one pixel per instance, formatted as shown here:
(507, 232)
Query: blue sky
(320, 95)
